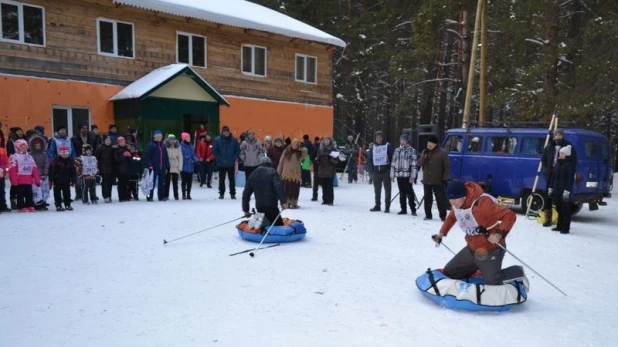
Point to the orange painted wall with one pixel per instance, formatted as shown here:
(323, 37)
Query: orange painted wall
(26, 101)
(276, 118)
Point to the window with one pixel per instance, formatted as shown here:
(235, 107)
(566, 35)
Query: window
(115, 38)
(253, 60)
(501, 145)
(70, 117)
(22, 23)
(306, 68)
(191, 49)
(532, 145)
(474, 144)
(453, 143)
(591, 150)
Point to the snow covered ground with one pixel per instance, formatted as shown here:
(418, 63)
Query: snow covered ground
(100, 276)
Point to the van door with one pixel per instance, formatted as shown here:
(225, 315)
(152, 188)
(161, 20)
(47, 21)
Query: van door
(587, 175)
(605, 169)
(454, 145)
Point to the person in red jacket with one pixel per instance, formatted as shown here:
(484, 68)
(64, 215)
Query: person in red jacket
(206, 158)
(486, 224)
(4, 171)
(24, 173)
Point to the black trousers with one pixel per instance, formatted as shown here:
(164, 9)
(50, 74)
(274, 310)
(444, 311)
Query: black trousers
(134, 187)
(107, 181)
(564, 209)
(24, 196)
(352, 174)
(306, 178)
(186, 183)
(89, 188)
(3, 205)
(248, 171)
(123, 187)
(406, 193)
(328, 190)
(466, 262)
(171, 178)
(229, 171)
(438, 191)
(271, 213)
(317, 181)
(382, 179)
(205, 172)
(62, 194)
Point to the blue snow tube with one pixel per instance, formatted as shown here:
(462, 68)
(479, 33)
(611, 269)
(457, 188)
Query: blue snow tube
(470, 294)
(294, 231)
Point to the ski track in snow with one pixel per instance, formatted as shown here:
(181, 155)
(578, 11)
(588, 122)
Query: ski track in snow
(100, 276)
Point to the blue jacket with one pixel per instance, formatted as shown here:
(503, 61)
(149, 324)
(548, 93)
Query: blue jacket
(226, 150)
(188, 157)
(156, 156)
(55, 143)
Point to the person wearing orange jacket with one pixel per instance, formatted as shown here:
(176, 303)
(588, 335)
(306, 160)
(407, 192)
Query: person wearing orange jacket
(486, 224)
(4, 171)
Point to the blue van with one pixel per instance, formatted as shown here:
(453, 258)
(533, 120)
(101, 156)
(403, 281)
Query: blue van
(505, 162)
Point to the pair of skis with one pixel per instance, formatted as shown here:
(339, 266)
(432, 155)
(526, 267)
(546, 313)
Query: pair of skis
(253, 249)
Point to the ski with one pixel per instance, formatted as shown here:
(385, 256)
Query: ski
(253, 249)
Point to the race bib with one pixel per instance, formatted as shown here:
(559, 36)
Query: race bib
(380, 155)
(89, 165)
(25, 164)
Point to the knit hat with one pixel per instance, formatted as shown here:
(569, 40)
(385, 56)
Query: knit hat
(379, 134)
(21, 143)
(64, 149)
(86, 147)
(94, 126)
(158, 133)
(185, 136)
(61, 127)
(171, 137)
(265, 161)
(39, 128)
(456, 190)
(120, 138)
(433, 139)
(566, 150)
(404, 137)
(559, 132)
(225, 128)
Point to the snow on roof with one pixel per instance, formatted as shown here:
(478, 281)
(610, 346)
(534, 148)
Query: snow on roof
(238, 13)
(145, 84)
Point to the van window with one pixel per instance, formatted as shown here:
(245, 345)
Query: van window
(532, 145)
(474, 143)
(604, 151)
(454, 143)
(591, 150)
(501, 144)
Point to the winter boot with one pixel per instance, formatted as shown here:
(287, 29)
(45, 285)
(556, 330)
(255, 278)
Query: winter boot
(376, 208)
(414, 213)
(402, 212)
(220, 196)
(184, 196)
(387, 210)
(548, 217)
(59, 208)
(69, 208)
(233, 197)
(314, 197)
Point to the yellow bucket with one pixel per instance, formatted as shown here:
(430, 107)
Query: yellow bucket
(554, 217)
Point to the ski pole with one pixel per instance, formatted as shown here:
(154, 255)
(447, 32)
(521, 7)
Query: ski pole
(252, 254)
(165, 242)
(395, 197)
(528, 266)
(447, 247)
(252, 249)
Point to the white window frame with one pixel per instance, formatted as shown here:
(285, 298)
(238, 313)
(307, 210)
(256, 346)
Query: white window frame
(69, 110)
(305, 58)
(20, 14)
(190, 35)
(242, 60)
(115, 37)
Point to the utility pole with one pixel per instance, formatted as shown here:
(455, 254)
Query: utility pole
(471, 71)
(483, 77)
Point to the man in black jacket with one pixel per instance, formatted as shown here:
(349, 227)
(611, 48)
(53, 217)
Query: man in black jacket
(548, 164)
(268, 189)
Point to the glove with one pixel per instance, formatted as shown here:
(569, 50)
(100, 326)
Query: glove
(247, 214)
(412, 180)
(550, 192)
(437, 238)
(495, 237)
(127, 154)
(481, 230)
(566, 195)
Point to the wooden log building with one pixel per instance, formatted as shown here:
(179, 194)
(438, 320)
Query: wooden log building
(168, 64)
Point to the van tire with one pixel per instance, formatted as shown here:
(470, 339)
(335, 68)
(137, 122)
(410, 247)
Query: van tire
(577, 207)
